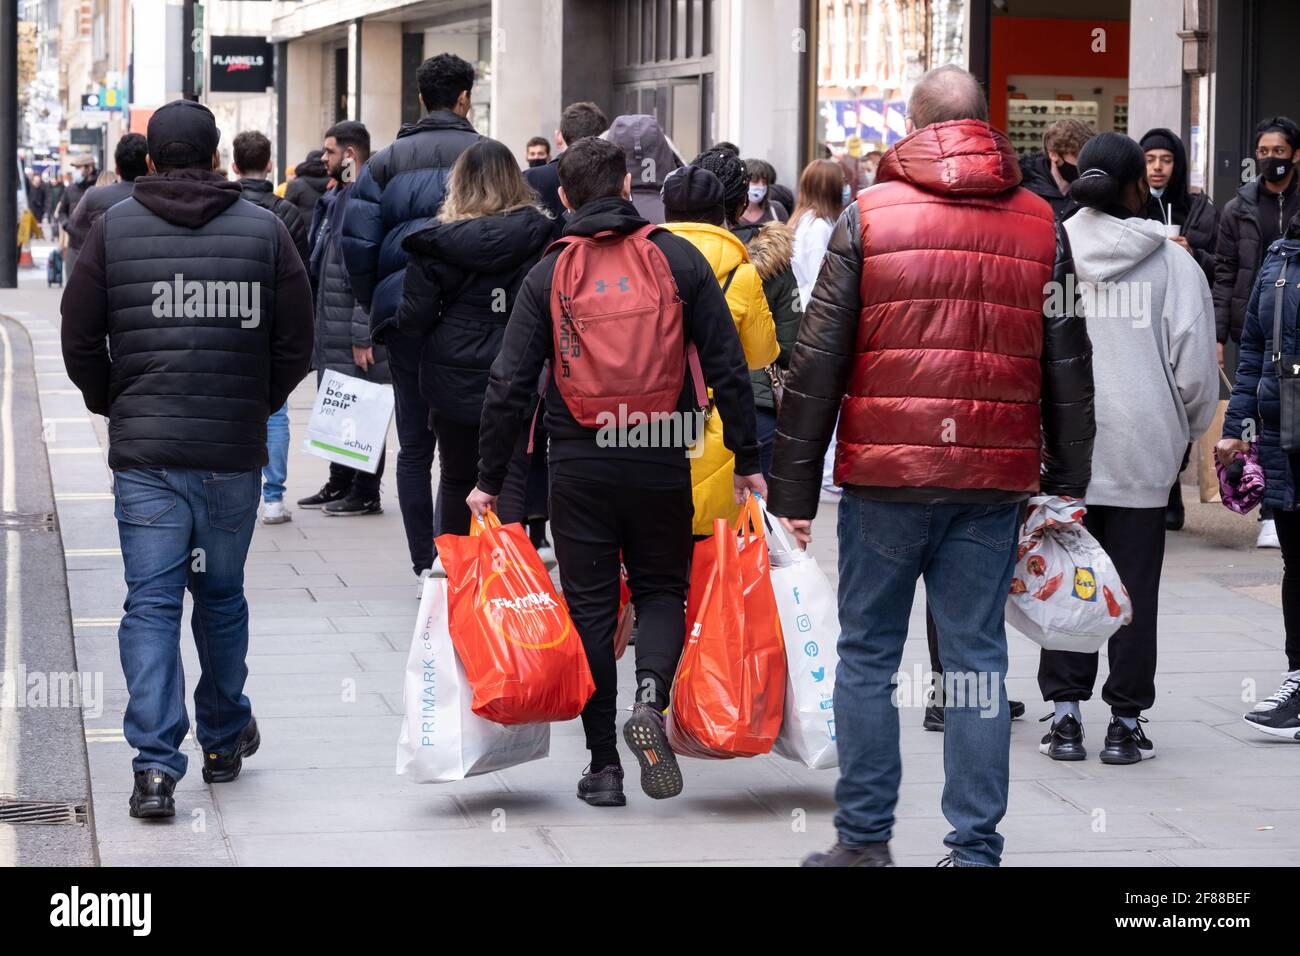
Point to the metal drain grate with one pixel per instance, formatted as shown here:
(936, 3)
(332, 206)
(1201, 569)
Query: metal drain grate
(42, 812)
(18, 521)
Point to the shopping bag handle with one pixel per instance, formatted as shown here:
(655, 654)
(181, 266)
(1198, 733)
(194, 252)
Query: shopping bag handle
(485, 522)
(750, 521)
(774, 530)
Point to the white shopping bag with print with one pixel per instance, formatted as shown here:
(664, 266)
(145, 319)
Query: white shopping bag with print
(1065, 592)
(349, 421)
(810, 627)
(442, 739)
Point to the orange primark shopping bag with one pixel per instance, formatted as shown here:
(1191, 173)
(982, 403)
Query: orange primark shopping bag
(728, 696)
(512, 631)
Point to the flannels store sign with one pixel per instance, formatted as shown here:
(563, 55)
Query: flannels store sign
(241, 65)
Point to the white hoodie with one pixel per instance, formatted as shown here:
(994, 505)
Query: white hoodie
(1151, 321)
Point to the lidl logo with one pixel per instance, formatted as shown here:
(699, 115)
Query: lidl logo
(1085, 584)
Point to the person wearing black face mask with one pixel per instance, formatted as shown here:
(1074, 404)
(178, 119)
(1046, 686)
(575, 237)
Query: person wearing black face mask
(1048, 174)
(1251, 222)
(538, 152)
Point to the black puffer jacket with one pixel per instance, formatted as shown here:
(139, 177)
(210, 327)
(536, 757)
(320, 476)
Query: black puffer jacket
(310, 180)
(1036, 168)
(1241, 248)
(97, 201)
(181, 389)
(340, 321)
(260, 192)
(461, 281)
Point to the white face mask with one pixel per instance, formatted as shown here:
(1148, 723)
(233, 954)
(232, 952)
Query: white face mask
(757, 194)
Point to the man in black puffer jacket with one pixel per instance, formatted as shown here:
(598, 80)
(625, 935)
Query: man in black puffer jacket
(397, 192)
(129, 159)
(251, 164)
(186, 321)
(343, 342)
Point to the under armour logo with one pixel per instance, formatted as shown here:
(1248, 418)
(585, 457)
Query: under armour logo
(624, 285)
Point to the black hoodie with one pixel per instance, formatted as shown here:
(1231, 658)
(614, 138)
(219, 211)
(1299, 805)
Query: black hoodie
(1193, 211)
(185, 389)
(1036, 168)
(574, 451)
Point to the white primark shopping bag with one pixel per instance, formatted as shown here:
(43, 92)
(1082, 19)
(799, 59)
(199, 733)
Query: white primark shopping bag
(810, 627)
(349, 421)
(441, 738)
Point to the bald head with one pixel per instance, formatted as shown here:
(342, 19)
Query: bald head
(947, 93)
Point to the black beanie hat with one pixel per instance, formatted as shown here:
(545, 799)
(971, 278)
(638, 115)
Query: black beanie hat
(1158, 139)
(182, 133)
(691, 189)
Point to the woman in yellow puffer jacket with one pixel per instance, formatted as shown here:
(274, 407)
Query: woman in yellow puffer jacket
(694, 205)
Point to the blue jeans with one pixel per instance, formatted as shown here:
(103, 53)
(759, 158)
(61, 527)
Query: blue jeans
(182, 528)
(966, 554)
(276, 469)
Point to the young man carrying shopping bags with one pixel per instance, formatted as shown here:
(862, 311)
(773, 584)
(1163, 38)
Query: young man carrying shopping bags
(620, 312)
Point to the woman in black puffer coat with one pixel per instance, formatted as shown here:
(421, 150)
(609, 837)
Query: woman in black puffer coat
(464, 271)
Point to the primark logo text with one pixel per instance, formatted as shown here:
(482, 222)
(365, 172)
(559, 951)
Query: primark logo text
(208, 299)
(77, 909)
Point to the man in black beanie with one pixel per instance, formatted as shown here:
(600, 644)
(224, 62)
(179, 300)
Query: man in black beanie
(207, 307)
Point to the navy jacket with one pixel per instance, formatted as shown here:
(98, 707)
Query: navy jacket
(398, 191)
(1255, 393)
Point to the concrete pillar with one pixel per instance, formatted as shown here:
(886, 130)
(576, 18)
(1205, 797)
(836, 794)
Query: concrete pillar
(380, 106)
(527, 56)
(760, 56)
(308, 114)
(1156, 92)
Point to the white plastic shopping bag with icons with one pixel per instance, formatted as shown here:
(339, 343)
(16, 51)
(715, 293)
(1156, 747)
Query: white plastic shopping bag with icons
(442, 739)
(1065, 592)
(349, 421)
(810, 627)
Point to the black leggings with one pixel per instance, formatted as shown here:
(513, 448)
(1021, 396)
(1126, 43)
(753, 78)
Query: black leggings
(458, 473)
(1288, 535)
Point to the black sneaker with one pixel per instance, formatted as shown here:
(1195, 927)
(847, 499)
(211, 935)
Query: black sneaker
(326, 495)
(151, 797)
(873, 854)
(1064, 741)
(644, 733)
(933, 719)
(604, 788)
(223, 768)
(1283, 718)
(1126, 746)
(352, 506)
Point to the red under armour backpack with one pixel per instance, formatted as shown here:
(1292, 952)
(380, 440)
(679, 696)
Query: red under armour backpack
(618, 331)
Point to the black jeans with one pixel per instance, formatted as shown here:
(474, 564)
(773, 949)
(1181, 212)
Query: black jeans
(1135, 540)
(458, 473)
(352, 479)
(416, 439)
(591, 524)
(1288, 535)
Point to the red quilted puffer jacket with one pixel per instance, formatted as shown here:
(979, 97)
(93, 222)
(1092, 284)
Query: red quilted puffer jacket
(926, 332)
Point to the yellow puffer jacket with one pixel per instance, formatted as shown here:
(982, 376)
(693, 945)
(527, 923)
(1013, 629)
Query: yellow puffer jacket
(711, 470)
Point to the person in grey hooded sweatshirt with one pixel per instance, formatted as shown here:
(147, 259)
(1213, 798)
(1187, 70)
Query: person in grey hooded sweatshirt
(650, 155)
(1149, 313)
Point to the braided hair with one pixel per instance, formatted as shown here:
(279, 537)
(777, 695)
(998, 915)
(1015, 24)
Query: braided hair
(731, 172)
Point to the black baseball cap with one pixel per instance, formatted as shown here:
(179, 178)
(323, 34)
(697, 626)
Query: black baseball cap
(182, 133)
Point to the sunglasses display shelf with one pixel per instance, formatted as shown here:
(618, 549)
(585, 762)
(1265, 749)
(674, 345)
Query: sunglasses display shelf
(1027, 119)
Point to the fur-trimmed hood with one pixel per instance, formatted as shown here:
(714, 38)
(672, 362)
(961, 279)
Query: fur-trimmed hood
(772, 249)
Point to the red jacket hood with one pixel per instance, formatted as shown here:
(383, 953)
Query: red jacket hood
(957, 158)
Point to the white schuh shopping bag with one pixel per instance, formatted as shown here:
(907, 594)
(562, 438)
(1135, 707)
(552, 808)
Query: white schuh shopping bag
(810, 626)
(349, 421)
(441, 738)
(1065, 592)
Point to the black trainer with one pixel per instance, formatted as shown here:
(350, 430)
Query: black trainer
(223, 768)
(326, 495)
(1126, 746)
(151, 797)
(1065, 739)
(1283, 718)
(873, 854)
(352, 506)
(604, 788)
(933, 719)
(644, 733)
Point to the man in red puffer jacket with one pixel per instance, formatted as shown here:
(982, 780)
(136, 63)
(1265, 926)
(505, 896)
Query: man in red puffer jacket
(959, 394)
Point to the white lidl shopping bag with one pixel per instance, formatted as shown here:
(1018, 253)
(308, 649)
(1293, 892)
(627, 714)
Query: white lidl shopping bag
(810, 627)
(1065, 592)
(349, 421)
(441, 738)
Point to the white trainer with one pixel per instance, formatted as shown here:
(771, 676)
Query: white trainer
(274, 512)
